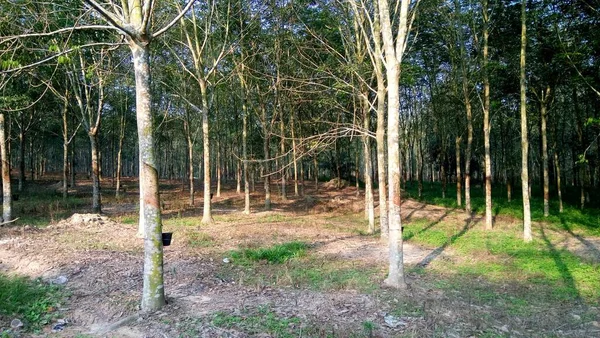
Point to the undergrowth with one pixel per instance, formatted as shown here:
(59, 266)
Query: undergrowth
(31, 301)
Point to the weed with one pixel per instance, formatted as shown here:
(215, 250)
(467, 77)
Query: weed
(276, 254)
(199, 240)
(260, 320)
(31, 300)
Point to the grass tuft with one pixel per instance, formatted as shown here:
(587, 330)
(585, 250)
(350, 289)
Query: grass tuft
(276, 254)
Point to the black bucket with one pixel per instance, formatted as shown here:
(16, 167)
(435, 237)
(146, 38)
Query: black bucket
(166, 238)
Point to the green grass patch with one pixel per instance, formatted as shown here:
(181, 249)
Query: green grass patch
(129, 219)
(32, 301)
(586, 221)
(199, 240)
(262, 320)
(503, 256)
(182, 222)
(276, 254)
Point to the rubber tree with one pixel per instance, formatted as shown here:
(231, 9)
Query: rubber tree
(527, 236)
(393, 54)
(133, 19)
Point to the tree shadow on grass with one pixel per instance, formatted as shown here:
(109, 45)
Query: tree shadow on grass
(429, 226)
(562, 267)
(437, 252)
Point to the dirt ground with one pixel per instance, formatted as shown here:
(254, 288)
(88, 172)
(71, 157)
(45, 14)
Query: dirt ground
(101, 258)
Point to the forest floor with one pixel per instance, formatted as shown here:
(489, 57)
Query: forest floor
(332, 289)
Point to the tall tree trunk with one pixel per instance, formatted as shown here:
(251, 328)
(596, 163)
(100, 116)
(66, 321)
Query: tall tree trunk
(6, 187)
(380, 133)
(265, 166)
(486, 121)
(120, 157)
(316, 165)
(153, 295)
(458, 174)
(369, 204)
(468, 153)
(544, 117)
(283, 162)
(219, 168)
(206, 212)
(295, 157)
(96, 199)
(393, 58)
(190, 155)
(65, 132)
(558, 186)
(21, 159)
(527, 236)
(245, 155)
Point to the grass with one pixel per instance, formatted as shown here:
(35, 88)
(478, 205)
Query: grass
(502, 256)
(586, 221)
(291, 264)
(31, 301)
(276, 254)
(262, 320)
(199, 240)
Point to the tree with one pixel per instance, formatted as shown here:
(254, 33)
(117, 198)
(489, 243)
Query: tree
(524, 139)
(393, 58)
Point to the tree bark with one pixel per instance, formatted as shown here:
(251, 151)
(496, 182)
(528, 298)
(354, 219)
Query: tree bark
(369, 204)
(393, 58)
(206, 214)
(544, 117)
(153, 296)
(283, 162)
(6, 185)
(486, 121)
(558, 186)
(527, 236)
(380, 133)
(458, 174)
(96, 194)
(65, 132)
(120, 157)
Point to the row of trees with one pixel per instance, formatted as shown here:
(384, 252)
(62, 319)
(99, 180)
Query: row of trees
(242, 90)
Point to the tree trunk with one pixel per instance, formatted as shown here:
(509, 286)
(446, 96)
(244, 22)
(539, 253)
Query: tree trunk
(65, 132)
(265, 166)
(153, 295)
(486, 121)
(283, 164)
(96, 196)
(21, 159)
(219, 168)
(544, 117)
(369, 204)
(393, 58)
(527, 236)
(458, 174)
(558, 186)
(6, 187)
(120, 157)
(295, 158)
(245, 157)
(316, 165)
(206, 214)
(468, 108)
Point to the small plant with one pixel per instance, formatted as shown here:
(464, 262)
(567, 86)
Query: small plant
(369, 327)
(30, 300)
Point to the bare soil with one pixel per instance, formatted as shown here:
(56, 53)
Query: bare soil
(101, 258)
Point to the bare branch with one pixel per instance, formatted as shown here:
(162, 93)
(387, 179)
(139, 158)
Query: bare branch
(174, 21)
